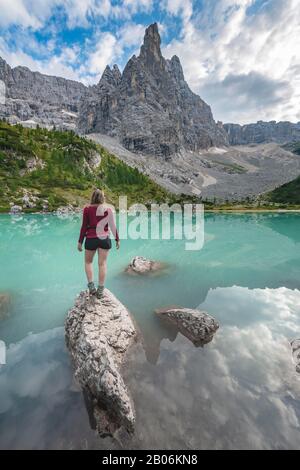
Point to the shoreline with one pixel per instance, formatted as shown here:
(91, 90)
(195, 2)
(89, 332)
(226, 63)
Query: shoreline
(216, 210)
(232, 211)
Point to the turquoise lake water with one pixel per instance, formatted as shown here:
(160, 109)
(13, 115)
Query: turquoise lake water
(239, 391)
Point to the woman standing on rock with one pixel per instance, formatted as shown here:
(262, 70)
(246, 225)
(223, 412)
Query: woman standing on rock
(96, 222)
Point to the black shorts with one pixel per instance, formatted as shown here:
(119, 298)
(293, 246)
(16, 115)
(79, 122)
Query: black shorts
(93, 244)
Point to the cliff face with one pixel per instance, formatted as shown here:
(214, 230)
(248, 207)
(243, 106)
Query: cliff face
(150, 108)
(41, 98)
(261, 132)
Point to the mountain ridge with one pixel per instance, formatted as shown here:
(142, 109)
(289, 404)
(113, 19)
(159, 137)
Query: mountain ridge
(262, 132)
(149, 106)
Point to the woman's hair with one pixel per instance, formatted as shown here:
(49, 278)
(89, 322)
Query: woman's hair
(98, 197)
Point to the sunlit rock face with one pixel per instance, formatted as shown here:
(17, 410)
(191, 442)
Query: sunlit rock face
(98, 336)
(261, 132)
(33, 98)
(150, 107)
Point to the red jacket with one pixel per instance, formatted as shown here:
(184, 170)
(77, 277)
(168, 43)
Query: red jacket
(91, 228)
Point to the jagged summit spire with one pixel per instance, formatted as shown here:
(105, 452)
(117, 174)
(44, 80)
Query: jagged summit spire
(176, 68)
(116, 73)
(111, 76)
(151, 45)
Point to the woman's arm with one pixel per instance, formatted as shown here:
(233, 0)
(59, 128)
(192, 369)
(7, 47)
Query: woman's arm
(84, 226)
(112, 226)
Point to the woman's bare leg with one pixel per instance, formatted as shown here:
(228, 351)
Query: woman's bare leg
(102, 257)
(88, 264)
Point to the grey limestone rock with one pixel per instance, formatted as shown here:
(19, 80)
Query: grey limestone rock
(198, 326)
(141, 265)
(295, 344)
(99, 335)
(150, 108)
(261, 132)
(39, 99)
(15, 209)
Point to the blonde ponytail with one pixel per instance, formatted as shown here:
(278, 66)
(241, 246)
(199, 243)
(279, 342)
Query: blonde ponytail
(98, 197)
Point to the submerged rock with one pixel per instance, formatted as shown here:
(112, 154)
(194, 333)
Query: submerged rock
(197, 326)
(98, 336)
(141, 265)
(296, 353)
(15, 209)
(4, 304)
(65, 211)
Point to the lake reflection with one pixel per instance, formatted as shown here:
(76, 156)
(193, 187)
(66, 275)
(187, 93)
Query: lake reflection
(239, 391)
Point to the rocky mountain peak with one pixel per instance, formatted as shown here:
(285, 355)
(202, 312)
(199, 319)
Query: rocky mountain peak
(116, 73)
(149, 108)
(4, 69)
(110, 76)
(150, 50)
(176, 68)
(152, 109)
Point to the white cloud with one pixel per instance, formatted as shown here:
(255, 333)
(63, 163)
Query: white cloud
(224, 41)
(34, 13)
(107, 50)
(179, 8)
(136, 5)
(131, 34)
(59, 65)
(244, 60)
(15, 12)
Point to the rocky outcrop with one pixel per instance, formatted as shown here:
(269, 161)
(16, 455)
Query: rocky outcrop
(29, 201)
(99, 335)
(197, 326)
(32, 164)
(65, 211)
(34, 98)
(150, 107)
(261, 132)
(295, 344)
(141, 265)
(15, 209)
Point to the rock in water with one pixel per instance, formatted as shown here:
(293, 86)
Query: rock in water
(141, 265)
(4, 305)
(197, 326)
(98, 336)
(15, 209)
(296, 353)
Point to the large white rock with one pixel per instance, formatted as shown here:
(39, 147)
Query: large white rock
(99, 334)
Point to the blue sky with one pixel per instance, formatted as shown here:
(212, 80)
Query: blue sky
(242, 56)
